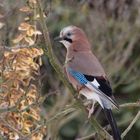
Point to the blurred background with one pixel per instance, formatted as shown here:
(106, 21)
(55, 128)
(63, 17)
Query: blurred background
(113, 28)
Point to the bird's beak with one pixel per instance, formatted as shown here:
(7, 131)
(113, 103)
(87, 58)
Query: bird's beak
(58, 38)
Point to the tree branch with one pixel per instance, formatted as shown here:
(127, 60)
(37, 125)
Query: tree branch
(137, 104)
(131, 125)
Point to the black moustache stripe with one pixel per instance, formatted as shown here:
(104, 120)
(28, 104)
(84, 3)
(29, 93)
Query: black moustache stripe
(68, 39)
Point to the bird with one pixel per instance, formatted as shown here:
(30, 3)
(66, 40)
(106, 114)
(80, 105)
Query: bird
(86, 74)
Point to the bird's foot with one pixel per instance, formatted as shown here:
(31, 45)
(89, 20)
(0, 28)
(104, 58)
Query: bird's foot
(78, 90)
(91, 110)
(79, 95)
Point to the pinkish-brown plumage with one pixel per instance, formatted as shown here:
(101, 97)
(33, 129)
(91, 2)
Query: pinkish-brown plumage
(86, 74)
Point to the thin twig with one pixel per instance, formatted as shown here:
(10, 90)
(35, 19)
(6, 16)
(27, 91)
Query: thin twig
(130, 125)
(64, 112)
(107, 127)
(8, 48)
(137, 104)
(11, 127)
(86, 137)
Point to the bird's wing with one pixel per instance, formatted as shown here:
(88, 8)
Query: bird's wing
(97, 84)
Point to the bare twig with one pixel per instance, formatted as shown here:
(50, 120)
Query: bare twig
(64, 112)
(92, 135)
(131, 125)
(11, 127)
(8, 48)
(137, 104)
(12, 108)
(86, 137)
(127, 73)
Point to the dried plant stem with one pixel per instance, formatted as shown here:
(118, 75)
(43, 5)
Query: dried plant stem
(86, 137)
(45, 123)
(14, 108)
(55, 64)
(11, 127)
(131, 125)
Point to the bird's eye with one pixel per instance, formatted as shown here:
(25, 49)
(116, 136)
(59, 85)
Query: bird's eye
(68, 34)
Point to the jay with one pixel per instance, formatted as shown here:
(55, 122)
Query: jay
(86, 74)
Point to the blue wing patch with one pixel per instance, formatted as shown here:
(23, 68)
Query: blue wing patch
(78, 76)
(82, 80)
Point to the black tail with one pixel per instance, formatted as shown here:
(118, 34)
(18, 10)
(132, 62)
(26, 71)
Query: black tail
(112, 122)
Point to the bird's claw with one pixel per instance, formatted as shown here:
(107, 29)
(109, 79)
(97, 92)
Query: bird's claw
(78, 90)
(79, 95)
(91, 110)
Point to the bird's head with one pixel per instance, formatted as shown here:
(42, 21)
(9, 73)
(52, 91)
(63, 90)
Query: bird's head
(72, 36)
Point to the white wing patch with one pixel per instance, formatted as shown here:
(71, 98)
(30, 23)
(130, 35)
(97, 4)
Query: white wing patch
(95, 83)
(90, 84)
(92, 90)
(94, 94)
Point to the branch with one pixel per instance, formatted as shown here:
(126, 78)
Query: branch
(12, 108)
(137, 104)
(11, 127)
(131, 125)
(8, 48)
(46, 123)
(107, 127)
(49, 53)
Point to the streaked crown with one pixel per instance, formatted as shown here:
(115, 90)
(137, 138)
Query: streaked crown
(72, 36)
